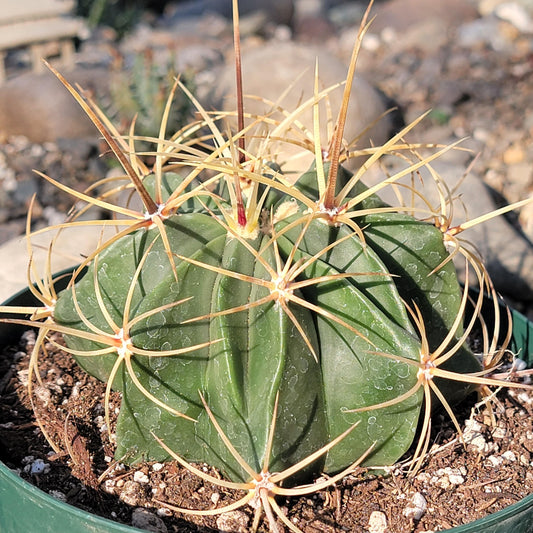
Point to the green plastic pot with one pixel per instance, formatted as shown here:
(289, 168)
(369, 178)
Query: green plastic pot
(24, 508)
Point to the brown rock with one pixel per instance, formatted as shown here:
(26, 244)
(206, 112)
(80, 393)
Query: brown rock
(402, 15)
(38, 107)
(269, 70)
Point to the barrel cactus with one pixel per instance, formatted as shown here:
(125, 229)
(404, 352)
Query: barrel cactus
(261, 324)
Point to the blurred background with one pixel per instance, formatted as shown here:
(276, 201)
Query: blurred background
(469, 62)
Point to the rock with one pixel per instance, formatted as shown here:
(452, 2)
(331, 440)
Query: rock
(233, 522)
(130, 493)
(494, 460)
(515, 14)
(404, 15)
(311, 22)
(513, 155)
(147, 521)
(481, 32)
(196, 58)
(446, 477)
(11, 230)
(67, 253)
(198, 29)
(313, 28)
(348, 13)
(526, 219)
(416, 507)
(270, 69)
(377, 523)
(140, 477)
(509, 455)
(26, 188)
(38, 107)
(186, 46)
(278, 11)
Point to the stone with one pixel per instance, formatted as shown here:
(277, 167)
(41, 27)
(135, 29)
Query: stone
(348, 13)
(416, 507)
(278, 11)
(494, 460)
(233, 522)
(67, 253)
(515, 14)
(509, 455)
(140, 477)
(402, 15)
(196, 58)
(513, 155)
(446, 477)
(268, 71)
(130, 493)
(480, 444)
(377, 523)
(481, 32)
(36, 106)
(147, 521)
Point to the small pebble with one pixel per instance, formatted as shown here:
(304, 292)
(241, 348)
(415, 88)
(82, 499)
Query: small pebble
(524, 397)
(109, 486)
(377, 523)
(519, 364)
(509, 455)
(499, 432)
(140, 477)
(130, 493)
(58, 495)
(147, 521)
(445, 477)
(480, 444)
(37, 467)
(515, 14)
(416, 507)
(514, 154)
(424, 477)
(233, 522)
(495, 460)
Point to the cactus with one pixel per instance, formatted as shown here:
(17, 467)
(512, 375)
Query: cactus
(262, 325)
(117, 14)
(299, 310)
(139, 95)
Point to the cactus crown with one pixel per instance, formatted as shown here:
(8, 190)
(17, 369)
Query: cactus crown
(267, 325)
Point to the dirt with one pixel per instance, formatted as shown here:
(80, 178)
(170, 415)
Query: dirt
(457, 484)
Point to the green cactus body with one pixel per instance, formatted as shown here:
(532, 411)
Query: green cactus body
(349, 317)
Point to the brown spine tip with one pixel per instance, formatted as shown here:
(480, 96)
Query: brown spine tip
(336, 141)
(241, 213)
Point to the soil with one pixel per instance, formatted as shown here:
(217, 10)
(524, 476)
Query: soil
(458, 483)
